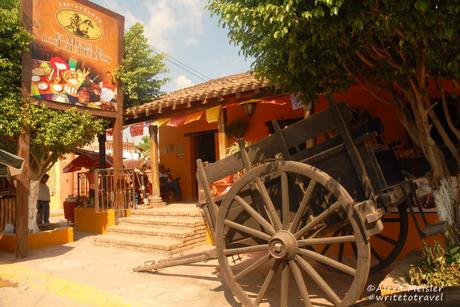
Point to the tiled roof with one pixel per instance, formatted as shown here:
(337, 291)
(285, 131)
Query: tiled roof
(217, 89)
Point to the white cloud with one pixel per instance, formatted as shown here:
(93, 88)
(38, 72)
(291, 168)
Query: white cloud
(182, 81)
(174, 21)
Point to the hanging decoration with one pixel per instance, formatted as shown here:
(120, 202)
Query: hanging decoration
(193, 117)
(212, 114)
(161, 121)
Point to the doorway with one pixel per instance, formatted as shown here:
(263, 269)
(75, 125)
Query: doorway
(204, 148)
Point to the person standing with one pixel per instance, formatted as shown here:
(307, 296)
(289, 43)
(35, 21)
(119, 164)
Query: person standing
(43, 203)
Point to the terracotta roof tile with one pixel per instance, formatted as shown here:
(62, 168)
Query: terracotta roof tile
(216, 88)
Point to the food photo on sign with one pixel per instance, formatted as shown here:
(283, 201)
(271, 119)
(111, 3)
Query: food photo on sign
(74, 55)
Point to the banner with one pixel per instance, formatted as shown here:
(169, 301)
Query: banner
(75, 53)
(136, 129)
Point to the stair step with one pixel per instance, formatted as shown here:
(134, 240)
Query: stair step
(167, 211)
(163, 221)
(147, 242)
(155, 245)
(179, 233)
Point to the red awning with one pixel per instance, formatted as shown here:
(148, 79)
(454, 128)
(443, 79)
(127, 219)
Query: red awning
(86, 159)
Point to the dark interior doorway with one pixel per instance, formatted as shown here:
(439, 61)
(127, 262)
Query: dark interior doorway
(204, 148)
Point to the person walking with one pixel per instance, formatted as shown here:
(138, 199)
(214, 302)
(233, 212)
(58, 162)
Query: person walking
(43, 203)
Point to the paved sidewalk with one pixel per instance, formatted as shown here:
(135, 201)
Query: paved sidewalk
(82, 274)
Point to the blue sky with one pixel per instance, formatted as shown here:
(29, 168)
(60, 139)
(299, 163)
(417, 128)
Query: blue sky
(184, 30)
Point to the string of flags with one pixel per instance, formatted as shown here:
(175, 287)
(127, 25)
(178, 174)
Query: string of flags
(211, 114)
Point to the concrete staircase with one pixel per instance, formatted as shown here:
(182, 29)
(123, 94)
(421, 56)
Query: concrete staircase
(167, 230)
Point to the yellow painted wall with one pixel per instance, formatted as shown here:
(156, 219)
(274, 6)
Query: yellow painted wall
(60, 184)
(88, 220)
(39, 239)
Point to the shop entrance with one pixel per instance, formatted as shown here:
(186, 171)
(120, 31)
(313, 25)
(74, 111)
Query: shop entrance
(204, 148)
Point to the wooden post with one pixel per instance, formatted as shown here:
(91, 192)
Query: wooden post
(117, 141)
(155, 199)
(22, 196)
(23, 180)
(222, 138)
(101, 139)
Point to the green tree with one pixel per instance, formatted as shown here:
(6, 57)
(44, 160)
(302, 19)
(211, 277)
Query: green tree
(396, 50)
(13, 41)
(144, 147)
(52, 133)
(140, 69)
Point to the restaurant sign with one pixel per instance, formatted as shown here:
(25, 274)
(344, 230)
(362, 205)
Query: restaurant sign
(75, 52)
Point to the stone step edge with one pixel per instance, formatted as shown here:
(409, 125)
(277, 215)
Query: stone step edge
(164, 253)
(158, 232)
(167, 213)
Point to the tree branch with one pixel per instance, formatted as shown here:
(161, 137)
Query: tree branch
(365, 86)
(449, 121)
(445, 138)
(364, 59)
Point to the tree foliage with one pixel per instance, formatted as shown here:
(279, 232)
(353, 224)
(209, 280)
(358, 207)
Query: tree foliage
(144, 147)
(326, 45)
(13, 41)
(404, 52)
(55, 133)
(140, 69)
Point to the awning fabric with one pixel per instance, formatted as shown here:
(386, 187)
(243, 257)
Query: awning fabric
(10, 163)
(193, 117)
(86, 160)
(212, 114)
(161, 121)
(177, 121)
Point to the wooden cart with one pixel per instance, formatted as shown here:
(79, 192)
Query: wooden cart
(297, 223)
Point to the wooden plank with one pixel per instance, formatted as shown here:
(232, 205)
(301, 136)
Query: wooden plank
(269, 146)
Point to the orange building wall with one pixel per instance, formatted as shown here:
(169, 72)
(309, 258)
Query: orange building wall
(264, 112)
(356, 97)
(183, 167)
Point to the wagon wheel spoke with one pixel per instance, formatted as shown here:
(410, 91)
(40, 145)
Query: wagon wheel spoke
(285, 200)
(386, 239)
(327, 261)
(376, 255)
(318, 279)
(337, 205)
(268, 203)
(284, 284)
(261, 261)
(259, 218)
(302, 206)
(390, 220)
(300, 283)
(246, 249)
(395, 239)
(341, 247)
(267, 282)
(327, 240)
(248, 230)
(325, 249)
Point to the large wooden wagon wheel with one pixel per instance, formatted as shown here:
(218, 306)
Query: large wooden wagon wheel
(274, 236)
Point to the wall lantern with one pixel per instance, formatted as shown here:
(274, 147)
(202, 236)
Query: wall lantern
(249, 107)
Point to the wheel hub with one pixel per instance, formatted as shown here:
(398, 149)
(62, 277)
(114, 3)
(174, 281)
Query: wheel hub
(283, 245)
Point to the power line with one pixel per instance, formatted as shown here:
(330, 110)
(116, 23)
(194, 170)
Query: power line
(182, 65)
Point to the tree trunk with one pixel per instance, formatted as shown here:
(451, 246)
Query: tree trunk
(33, 198)
(444, 187)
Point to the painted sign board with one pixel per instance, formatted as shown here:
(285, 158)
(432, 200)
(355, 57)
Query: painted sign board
(76, 49)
